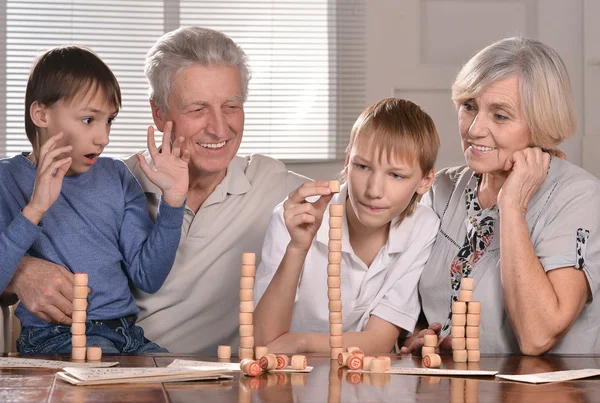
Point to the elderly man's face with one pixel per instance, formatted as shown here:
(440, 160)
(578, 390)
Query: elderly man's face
(492, 126)
(206, 108)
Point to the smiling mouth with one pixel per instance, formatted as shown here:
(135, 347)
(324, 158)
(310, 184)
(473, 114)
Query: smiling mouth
(373, 208)
(213, 146)
(481, 148)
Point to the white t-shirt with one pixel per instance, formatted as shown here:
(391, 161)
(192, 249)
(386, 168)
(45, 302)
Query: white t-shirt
(387, 289)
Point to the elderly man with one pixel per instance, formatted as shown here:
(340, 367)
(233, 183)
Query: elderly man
(199, 81)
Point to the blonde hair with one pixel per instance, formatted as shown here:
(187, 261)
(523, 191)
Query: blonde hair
(401, 129)
(544, 87)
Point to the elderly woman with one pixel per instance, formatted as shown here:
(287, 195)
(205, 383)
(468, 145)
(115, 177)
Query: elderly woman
(523, 224)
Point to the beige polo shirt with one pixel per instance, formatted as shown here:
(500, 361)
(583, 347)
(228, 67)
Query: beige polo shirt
(197, 307)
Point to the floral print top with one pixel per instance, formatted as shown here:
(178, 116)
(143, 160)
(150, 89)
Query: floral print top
(480, 231)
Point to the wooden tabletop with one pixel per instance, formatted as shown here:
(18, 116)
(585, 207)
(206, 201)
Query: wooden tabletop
(326, 383)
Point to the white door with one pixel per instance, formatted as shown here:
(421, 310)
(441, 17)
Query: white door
(416, 47)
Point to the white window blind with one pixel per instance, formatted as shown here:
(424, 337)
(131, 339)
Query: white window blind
(307, 60)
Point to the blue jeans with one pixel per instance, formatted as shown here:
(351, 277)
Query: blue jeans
(57, 339)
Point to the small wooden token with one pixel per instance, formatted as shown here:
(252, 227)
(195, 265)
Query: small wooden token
(336, 222)
(335, 341)
(78, 353)
(244, 352)
(334, 294)
(354, 362)
(388, 361)
(79, 316)
(78, 328)
(80, 279)
(458, 343)
(367, 362)
(377, 365)
(94, 353)
(246, 330)
(467, 284)
(343, 358)
(336, 210)
(472, 331)
(333, 269)
(473, 355)
(224, 351)
(247, 282)
(247, 342)
(268, 362)
(335, 317)
(359, 353)
(459, 307)
(459, 319)
(260, 352)
(299, 362)
(473, 319)
(335, 246)
(250, 367)
(335, 306)
(246, 294)
(465, 295)
(78, 340)
(248, 258)
(282, 361)
(474, 307)
(432, 361)
(80, 304)
(335, 233)
(457, 331)
(334, 281)
(247, 306)
(473, 343)
(248, 270)
(80, 291)
(245, 318)
(334, 186)
(427, 350)
(334, 258)
(430, 340)
(459, 355)
(336, 329)
(335, 352)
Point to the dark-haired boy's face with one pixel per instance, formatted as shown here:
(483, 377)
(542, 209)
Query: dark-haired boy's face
(85, 123)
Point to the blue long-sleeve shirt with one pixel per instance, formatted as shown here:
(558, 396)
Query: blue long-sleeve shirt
(99, 225)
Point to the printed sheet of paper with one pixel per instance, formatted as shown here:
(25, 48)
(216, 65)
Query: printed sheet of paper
(433, 372)
(14, 362)
(101, 376)
(556, 376)
(225, 366)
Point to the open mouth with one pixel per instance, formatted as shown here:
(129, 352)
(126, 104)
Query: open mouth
(481, 148)
(91, 158)
(213, 146)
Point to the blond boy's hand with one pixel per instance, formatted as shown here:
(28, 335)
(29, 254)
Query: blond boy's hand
(302, 218)
(48, 180)
(170, 171)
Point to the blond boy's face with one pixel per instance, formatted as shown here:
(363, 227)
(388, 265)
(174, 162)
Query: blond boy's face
(380, 189)
(85, 123)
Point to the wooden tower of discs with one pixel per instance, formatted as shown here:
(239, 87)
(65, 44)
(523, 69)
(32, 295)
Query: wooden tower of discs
(247, 306)
(80, 304)
(466, 317)
(334, 293)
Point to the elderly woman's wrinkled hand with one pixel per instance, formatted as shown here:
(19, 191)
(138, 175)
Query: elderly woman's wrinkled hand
(528, 169)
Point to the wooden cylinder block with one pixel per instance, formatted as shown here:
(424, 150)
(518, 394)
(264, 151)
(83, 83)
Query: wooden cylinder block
(432, 361)
(78, 353)
(335, 352)
(388, 361)
(94, 353)
(335, 233)
(246, 330)
(457, 331)
(367, 362)
(354, 362)
(430, 340)
(472, 331)
(334, 186)
(79, 316)
(248, 258)
(343, 359)
(336, 210)
(459, 355)
(334, 294)
(244, 352)
(78, 340)
(377, 365)
(335, 306)
(247, 306)
(80, 279)
(427, 350)
(247, 342)
(458, 343)
(465, 295)
(335, 317)
(78, 328)
(473, 356)
(351, 350)
(80, 304)
(247, 282)
(473, 343)
(335, 341)
(260, 352)
(246, 294)
(268, 362)
(473, 319)
(333, 269)
(334, 281)
(459, 307)
(474, 307)
(80, 291)
(334, 257)
(282, 361)
(248, 270)
(250, 367)
(299, 362)
(459, 319)
(224, 351)
(245, 318)
(467, 283)
(335, 222)
(336, 329)
(335, 246)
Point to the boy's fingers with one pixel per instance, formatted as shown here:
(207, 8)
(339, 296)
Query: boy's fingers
(151, 143)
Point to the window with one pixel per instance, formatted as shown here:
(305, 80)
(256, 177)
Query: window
(307, 60)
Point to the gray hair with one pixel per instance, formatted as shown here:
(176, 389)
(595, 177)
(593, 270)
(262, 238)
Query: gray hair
(544, 86)
(187, 46)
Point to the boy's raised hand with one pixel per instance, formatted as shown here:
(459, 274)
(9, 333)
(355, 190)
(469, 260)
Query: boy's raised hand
(170, 171)
(48, 180)
(303, 218)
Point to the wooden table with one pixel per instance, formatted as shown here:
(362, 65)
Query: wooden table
(326, 383)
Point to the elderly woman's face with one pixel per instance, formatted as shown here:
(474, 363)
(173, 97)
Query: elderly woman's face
(492, 126)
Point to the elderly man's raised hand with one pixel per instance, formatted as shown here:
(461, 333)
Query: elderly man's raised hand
(303, 218)
(170, 170)
(528, 169)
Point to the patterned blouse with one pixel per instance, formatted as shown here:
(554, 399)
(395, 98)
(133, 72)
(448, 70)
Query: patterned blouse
(480, 231)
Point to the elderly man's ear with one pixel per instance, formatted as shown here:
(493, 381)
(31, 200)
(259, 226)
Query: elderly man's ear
(158, 116)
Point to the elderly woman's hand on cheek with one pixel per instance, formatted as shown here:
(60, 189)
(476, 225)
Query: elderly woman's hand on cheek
(528, 169)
